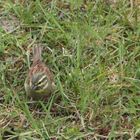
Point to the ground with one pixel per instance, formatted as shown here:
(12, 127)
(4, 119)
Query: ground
(93, 49)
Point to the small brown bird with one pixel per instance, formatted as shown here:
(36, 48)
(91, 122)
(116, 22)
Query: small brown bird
(39, 83)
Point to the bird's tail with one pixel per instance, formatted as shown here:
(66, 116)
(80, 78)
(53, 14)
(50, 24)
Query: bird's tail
(37, 52)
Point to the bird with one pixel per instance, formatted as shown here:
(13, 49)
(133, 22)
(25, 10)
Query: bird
(39, 83)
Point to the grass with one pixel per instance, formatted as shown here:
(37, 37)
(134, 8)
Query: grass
(92, 47)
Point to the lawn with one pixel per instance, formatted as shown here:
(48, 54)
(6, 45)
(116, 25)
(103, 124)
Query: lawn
(93, 49)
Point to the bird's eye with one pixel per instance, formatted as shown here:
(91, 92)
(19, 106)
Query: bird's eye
(39, 82)
(42, 80)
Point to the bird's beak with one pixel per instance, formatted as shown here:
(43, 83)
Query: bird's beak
(33, 87)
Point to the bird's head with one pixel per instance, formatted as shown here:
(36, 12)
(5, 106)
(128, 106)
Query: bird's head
(39, 82)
